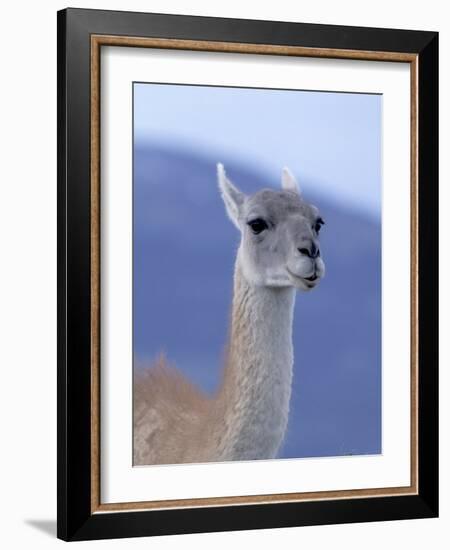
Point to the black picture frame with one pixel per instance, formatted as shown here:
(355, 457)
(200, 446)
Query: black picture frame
(76, 519)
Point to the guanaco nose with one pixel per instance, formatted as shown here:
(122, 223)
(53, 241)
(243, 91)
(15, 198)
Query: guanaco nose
(312, 252)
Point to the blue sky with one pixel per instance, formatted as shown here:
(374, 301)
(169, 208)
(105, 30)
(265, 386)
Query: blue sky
(331, 141)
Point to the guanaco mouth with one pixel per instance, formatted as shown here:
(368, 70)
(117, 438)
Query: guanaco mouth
(311, 279)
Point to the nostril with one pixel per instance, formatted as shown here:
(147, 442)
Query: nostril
(314, 251)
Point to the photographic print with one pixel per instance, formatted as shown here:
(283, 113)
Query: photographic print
(256, 274)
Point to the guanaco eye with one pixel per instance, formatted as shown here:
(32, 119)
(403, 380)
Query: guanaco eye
(318, 224)
(258, 225)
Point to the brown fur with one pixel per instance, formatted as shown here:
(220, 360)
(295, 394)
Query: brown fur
(168, 410)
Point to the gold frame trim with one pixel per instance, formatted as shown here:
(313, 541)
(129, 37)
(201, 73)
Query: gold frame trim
(264, 49)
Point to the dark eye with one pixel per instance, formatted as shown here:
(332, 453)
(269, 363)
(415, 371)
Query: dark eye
(258, 225)
(318, 225)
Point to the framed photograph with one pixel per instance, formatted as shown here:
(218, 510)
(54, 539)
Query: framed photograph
(247, 256)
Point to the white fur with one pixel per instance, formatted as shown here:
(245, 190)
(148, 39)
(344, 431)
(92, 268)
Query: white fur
(288, 181)
(232, 197)
(259, 373)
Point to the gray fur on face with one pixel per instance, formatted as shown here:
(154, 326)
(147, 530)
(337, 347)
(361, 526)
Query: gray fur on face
(287, 251)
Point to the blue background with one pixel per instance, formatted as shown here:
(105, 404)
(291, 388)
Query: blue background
(184, 245)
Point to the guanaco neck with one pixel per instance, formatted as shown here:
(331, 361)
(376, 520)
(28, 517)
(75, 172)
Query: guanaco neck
(255, 393)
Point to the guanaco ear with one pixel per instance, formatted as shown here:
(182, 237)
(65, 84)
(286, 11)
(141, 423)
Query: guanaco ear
(288, 181)
(232, 197)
